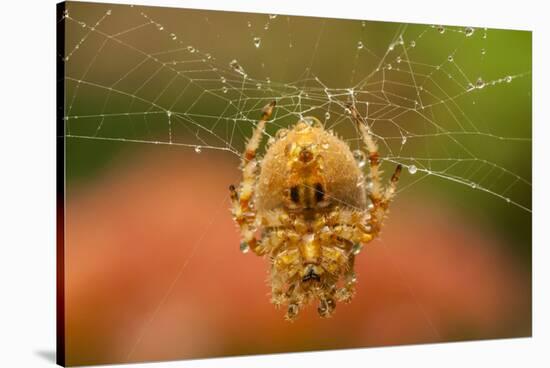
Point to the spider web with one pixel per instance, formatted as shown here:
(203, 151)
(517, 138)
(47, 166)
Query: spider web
(199, 79)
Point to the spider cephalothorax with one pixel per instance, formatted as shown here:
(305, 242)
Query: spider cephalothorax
(309, 201)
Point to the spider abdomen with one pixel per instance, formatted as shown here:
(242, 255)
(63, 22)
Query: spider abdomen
(309, 168)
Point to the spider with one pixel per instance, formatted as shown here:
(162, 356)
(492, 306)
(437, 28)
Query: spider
(308, 206)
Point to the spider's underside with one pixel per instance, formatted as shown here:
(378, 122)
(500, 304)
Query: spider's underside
(313, 208)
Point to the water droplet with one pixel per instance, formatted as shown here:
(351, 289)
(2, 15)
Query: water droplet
(258, 85)
(473, 185)
(480, 83)
(266, 26)
(327, 115)
(169, 113)
(244, 247)
(403, 140)
(450, 58)
(360, 45)
(356, 249)
(272, 16)
(237, 67)
(248, 24)
(412, 169)
(508, 79)
(173, 36)
(482, 51)
(389, 67)
(109, 12)
(224, 89)
(268, 80)
(391, 47)
(363, 24)
(198, 149)
(281, 133)
(191, 49)
(360, 158)
(470, 87)
(257, 42)
(398, 59)
(313, 122)
(468, 31)
(441, 29)
(223, 79)
(412, 44)
(292, 311)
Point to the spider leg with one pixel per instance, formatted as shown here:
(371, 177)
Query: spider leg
(243, 212)
(347, 291)
(379, 196)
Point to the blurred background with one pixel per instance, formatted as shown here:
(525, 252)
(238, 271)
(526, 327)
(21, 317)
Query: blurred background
(159, 103)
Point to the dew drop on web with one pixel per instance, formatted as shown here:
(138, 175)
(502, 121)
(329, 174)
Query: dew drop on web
(281, 133)
(244, 247)
(360, 158)
(480, 83)
(257, 42)
(234, 64)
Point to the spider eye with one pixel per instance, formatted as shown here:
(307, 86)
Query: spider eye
(294, 195)
(319, 192)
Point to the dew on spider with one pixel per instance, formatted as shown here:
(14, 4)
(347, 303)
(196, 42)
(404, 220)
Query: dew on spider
(306, 206)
